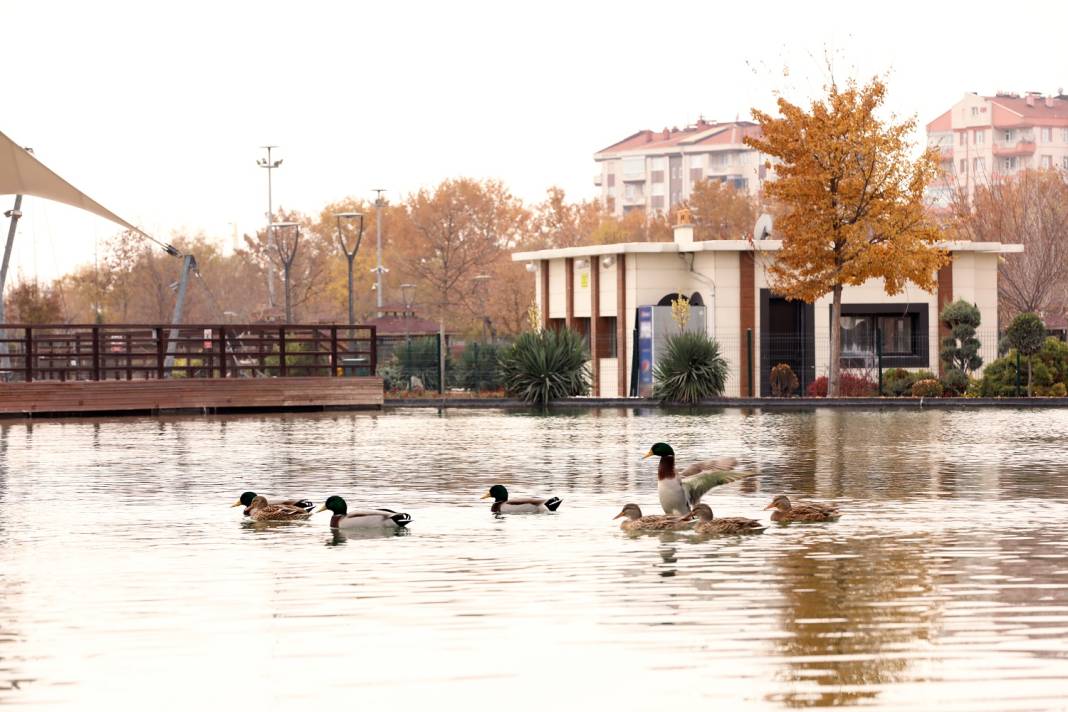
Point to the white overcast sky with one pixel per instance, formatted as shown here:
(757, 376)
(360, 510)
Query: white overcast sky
(158, 109)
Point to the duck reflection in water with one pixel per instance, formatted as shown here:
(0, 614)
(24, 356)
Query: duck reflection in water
(342, 536)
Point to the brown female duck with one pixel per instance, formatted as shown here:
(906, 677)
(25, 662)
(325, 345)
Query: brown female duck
(785, 511)
(635, 522)
(724, 525)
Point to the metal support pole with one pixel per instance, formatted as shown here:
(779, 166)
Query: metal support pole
(379, 203)
(1017, 374)
(188, 265)
(441, 356)
(14, 214)
(879, 356)
(749, 360)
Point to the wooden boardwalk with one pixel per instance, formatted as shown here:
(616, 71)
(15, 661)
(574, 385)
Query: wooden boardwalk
(54, 398)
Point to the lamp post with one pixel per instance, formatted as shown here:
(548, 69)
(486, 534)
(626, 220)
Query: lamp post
(270, 166)
(286, 254)
(350, 255)
(379, 269)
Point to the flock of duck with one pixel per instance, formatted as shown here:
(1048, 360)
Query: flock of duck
(680, 496)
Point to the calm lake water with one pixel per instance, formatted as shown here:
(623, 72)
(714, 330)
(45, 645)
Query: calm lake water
(127, 582)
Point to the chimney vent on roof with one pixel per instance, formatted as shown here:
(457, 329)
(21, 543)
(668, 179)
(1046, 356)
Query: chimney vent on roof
(1030, 100)
(1049, 102)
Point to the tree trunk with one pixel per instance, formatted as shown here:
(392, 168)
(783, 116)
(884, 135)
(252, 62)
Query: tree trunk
(1029, 393)
(836, 342)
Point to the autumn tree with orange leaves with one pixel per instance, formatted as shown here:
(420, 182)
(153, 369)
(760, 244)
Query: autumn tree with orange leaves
(851, 201)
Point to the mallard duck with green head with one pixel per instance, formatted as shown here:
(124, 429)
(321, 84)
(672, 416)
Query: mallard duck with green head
(707, 524)
(362, 518)
(245, 500)
(680, 491)
(786, 511)
(635, 522)
(503, 504)
(260, 510)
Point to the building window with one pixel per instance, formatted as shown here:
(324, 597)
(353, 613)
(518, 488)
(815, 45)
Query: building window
(901, 332)
(611, 180)
(978, 136)
(1064, 135)
(657, 176)
(963, 137)
(975, 111)
(1008, 136)
(557, 324)
(581, 324)
(964, 166)
(1047, 161)
(610, 204)
(657, 202)
(1010, 163)
(1064, 162)
(633, 167)
(632, 192)
(1047, 135)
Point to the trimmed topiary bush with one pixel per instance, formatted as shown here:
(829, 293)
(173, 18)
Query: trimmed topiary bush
(692, 369)
(897, 382)
(927, 388)
(1026, 334)
(955, 382)
(783, 381)
(849, 386)
(960, 351)
(547, 365)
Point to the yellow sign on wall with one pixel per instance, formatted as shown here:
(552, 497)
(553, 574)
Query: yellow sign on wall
(584, 280)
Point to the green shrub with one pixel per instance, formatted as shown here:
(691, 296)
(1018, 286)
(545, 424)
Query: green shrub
(955, 382)
(691, 369)
(478, 367)
(927, 388)
(898, 382)
(1027, 334)
(783, 381)
(545, 365)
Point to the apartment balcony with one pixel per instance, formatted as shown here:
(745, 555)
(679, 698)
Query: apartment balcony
(633, 177)
(634, 199)
(1020, 146)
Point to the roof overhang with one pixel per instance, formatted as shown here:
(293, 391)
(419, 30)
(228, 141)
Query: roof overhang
(721, 246)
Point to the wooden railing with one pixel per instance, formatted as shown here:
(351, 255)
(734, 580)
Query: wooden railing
(99, 352)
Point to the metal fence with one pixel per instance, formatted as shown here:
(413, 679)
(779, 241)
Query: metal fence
(98, 352)
(412, 364)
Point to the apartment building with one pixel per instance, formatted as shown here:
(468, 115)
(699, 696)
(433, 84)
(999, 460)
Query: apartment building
(984, 138)
(656, 170)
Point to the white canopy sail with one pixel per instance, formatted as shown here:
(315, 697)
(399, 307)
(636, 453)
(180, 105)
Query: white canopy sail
(22, 174)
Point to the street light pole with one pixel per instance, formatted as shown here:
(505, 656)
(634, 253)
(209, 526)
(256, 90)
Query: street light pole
(379, 204)
(270, 166)
(350, 256)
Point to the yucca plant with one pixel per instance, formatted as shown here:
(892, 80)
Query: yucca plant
(546, 365)
(690, 370)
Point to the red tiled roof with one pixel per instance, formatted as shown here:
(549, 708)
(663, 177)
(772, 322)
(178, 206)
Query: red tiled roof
(942, 123)
(1016, 111)
(701, 134)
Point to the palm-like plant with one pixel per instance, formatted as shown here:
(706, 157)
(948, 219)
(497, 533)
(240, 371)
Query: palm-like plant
(546, 365)
(692, 369)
